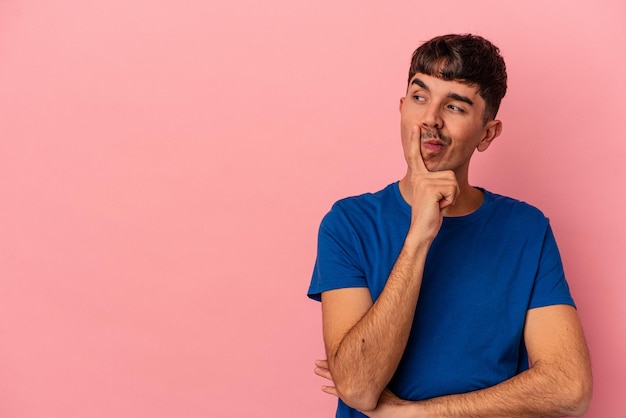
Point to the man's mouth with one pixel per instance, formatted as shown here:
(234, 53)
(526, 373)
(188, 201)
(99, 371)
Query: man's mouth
(435, 136)
(434, 141)
(433, 145)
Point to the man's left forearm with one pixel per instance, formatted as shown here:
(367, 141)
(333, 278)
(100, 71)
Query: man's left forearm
(536, 392)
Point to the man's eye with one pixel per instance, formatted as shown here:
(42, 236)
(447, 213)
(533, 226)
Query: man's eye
(455, 108)
(419, 98)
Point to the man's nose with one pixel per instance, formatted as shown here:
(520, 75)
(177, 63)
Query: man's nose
(431, 118)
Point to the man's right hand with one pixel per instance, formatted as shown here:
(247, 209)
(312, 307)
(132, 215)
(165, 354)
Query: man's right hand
(431, 192)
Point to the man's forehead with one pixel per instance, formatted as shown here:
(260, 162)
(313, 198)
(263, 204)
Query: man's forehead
(455, 89)
(430, 82)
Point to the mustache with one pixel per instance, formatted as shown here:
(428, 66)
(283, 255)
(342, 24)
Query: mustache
(435, 134)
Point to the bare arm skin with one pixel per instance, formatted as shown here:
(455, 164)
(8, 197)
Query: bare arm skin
(558, 383)
(365, 340)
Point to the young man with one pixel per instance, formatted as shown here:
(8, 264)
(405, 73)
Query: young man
(440, 299)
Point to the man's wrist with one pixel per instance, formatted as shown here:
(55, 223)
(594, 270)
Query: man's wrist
(416, 243)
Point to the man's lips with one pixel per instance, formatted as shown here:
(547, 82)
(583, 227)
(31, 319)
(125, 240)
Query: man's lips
(433, 145)
(434, 140)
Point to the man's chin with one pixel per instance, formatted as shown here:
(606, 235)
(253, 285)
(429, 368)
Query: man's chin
(434, 164)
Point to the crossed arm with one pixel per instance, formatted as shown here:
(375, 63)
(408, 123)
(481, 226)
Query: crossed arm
(557, 384)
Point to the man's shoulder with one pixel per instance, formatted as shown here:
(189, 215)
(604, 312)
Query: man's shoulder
(367, 202)
(514, 208)
(365, 210)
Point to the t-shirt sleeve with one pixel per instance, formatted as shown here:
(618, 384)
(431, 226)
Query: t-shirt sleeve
(550, 287)
(338, 262)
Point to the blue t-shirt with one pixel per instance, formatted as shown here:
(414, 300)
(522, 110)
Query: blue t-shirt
(482, 273)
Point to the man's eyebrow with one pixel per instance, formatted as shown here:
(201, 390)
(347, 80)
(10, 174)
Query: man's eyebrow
(420, 83)
(454, 96)
(460, 98)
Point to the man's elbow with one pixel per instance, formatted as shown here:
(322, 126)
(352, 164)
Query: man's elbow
(359, 398)
(579, 396)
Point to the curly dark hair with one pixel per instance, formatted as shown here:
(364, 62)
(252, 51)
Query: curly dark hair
(469, 59)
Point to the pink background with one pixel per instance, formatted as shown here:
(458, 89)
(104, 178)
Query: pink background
(164, 166)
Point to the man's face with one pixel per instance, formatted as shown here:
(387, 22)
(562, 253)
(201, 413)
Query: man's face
(450, 116)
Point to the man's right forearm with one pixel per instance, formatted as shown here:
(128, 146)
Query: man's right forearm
(363, 360)
(366, 358)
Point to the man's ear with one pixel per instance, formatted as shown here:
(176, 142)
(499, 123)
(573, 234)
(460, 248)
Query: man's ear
(401, 102)
(492, 130)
